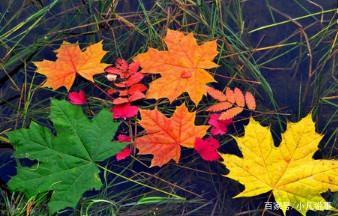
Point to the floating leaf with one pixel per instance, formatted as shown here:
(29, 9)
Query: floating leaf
(182, 67)
(165, 136)
(70, 61)
(66, 162)
(288, 171)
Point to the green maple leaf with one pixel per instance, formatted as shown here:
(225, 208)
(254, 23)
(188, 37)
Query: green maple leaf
(66, 162)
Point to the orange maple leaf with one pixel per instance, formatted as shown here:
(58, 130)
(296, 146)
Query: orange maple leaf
(182, 67)
(70, 61)
(165, 136)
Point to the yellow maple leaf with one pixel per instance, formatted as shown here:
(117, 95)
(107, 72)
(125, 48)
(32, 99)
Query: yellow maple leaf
(70, 61)
(182, 67)
(289, 171)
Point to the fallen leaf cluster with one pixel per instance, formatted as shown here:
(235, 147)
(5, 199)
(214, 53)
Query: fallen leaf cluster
(67, 161)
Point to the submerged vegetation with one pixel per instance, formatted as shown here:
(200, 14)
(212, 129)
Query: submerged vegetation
(269, 61)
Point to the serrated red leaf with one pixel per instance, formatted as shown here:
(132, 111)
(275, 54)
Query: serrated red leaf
(137, 87)
(133, 67)
(129, 88)
(136, 96)
(134, 78)
(122, 64)
(113, 70)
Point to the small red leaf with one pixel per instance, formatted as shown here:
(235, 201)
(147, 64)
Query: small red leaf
(77, 98)
(123, 138)
(123, 154)
(129, 88)
(122, 64)
(133, 67)
(136, 96)
(137, 87)
(113, 71)
(124, 111)
(135, 78)
(207, 148)
(219, 127)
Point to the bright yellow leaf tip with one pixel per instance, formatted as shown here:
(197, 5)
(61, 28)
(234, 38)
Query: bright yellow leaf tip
(289, 171)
